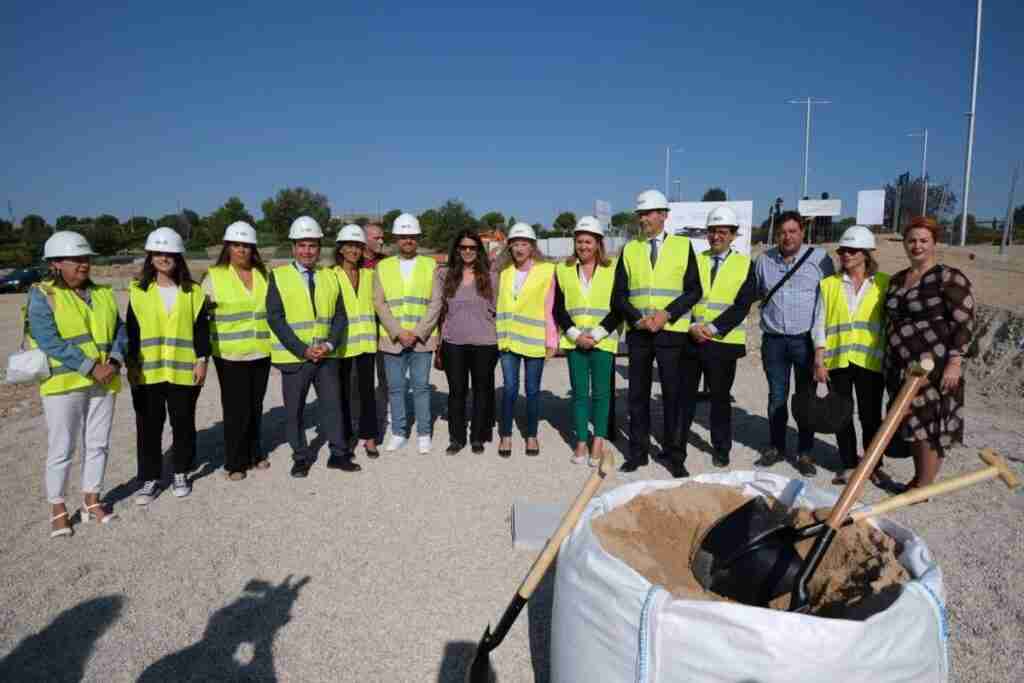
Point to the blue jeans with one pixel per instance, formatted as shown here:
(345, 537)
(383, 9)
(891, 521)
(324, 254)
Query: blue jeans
(510, 373)
(405, 369)
(780, 355)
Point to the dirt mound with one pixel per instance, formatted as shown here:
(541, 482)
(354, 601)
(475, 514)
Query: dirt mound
(996, 358)
(656, 534)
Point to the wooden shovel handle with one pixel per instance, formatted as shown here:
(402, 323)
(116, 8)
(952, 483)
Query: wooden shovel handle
(997, 469)
(917, 375)
(569, 519)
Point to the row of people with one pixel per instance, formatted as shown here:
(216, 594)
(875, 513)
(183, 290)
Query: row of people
(326, 327)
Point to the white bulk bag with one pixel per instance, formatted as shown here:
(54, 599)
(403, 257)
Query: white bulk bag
(610, 624)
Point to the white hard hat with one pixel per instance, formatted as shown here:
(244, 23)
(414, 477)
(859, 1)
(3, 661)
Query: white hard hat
(522, 231)
(165, 240)
(650, 200)
(589, 224)
(305, 228)
(240, 232)
(857, 237)
(66, 243)
(722, 215)
(351, 233)
(406, 224)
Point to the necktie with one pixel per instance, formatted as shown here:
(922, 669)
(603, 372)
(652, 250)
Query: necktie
(312, 289)
(654, 251)
(714, 268)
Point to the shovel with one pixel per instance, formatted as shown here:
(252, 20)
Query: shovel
(721, 563)
(480, 669)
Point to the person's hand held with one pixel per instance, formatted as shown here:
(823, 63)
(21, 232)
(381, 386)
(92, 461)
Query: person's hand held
(199, 374)
(951, 377)
(549, 353)
(311, 354)
(658, 321)
(103, 372)
(820, 373)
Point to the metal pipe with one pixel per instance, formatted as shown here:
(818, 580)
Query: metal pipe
(1008, 227)
(970, 128)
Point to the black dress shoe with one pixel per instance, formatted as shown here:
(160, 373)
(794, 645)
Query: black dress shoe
(343, 463)
(805, 466)
(478, 447)
(300, 469)
(454, 447)
(678, 469)
(769, 458)
(720, 458)
(631, 466)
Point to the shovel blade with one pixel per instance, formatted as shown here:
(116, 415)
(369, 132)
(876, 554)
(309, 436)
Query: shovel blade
(480, 670)
(729, 535)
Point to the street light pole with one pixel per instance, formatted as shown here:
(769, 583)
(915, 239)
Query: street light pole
(1008, 227)
(668, 165)
(924, 169)
(807, 135)
(970, 127)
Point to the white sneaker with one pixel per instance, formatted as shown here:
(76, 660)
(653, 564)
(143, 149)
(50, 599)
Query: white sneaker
(424, 444)
(147, 493)
(394, 443)
(181, 487)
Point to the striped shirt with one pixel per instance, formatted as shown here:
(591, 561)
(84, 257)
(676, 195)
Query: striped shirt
(791, 309)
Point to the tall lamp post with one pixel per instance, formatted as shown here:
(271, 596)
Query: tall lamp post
(924, 169)
(970, 127)
(807, 134)
(668, 164)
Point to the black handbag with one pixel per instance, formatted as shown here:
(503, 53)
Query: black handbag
(828, 414)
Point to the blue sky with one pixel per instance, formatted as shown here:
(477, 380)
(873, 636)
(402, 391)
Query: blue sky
(529, 110)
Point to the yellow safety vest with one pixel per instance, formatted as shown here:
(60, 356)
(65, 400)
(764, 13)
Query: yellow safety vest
(408, 300)
(298, 308)
(588, 309)
(361, 333)
(165, 339)
(732, 273)
(238, 319)
(651, 290)
(90, 327)
(859, 341)
(522, 320)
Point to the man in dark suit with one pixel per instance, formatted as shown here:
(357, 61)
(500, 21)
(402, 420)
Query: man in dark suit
(719, 338)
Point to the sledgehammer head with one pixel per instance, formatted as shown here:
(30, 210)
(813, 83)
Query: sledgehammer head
(1009, 477)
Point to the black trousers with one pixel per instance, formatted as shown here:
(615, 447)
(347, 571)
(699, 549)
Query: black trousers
(461, 362)
(153, 403)
(869, 387)
(365, 367)
(719, 375)
(296, 379)
(642, 357)
(243, 383)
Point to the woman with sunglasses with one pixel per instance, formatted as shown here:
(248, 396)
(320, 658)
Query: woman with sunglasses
(849, 343)
(236, 288)
(583, 312)
(358, 349)
(168, 345)
(469, 341)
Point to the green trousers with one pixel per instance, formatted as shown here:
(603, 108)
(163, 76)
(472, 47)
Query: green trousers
(590, 373)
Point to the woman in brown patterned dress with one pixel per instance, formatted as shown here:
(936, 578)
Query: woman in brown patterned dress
(930, 311)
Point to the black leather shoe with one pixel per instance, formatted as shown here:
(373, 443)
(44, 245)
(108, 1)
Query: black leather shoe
(631, 465)
(345, 464)
(478, 447)
(769, 458)
(805, 466)
(720, 458)
(678, 469)
(454, 447)
(300, 469)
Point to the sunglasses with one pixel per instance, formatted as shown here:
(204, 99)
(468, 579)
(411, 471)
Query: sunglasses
(467, 247)
(844, 251)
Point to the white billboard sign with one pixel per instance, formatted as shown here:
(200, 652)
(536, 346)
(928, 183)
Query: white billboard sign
(690, 219)
(871, 207)
(810, 208)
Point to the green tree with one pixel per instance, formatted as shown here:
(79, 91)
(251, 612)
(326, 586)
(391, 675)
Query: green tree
(104, 238)
(6, 231)
(512, 220)
(388, 219)
(66, 222)
(565, 223)
(34, 232)
(714, 194)
(139, 225)
(493, 220)
(107, 221)
(232, 212)
(292, 202)
(441, 226)
(625, 221)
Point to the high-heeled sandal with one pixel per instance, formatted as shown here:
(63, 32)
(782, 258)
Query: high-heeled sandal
(64, 530)
(86, 515)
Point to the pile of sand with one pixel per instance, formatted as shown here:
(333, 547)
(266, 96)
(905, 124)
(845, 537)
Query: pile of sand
(656, 535)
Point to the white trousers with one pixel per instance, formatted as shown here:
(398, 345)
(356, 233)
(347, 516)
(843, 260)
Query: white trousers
(83, 416)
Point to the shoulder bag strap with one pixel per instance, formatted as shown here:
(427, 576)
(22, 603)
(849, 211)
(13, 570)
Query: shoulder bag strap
(788, 275)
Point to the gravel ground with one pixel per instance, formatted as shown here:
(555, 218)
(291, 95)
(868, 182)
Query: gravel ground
(391, 574)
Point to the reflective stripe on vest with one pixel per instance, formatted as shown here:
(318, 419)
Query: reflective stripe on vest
(732, 273)
(293, 289)
(238, 316)
(859, 341)
(521, 320)
(587, 309)
(90, 327)
(166, 347)
(653, 290)
(407, 299)
(361, 332)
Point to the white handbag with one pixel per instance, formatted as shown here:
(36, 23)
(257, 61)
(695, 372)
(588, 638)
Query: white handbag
(27, 366)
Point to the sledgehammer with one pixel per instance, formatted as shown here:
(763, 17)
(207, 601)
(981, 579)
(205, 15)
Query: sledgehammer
(480, 669)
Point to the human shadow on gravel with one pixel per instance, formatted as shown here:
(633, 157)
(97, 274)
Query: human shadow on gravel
(238, 642)
(455, 662)
(538, 612)
(60, 652)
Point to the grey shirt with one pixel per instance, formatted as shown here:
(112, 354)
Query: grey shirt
(791, 309)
